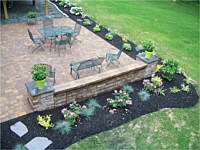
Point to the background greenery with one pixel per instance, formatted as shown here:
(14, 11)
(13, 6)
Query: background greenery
(174, 27)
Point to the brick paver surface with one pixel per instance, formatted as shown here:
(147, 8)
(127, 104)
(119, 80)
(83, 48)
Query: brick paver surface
(17, 59)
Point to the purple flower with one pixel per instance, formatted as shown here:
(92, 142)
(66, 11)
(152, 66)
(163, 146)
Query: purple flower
(63, 110)
(120, 91)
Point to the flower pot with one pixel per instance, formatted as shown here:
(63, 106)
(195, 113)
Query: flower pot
(148, 54)
(40, 84)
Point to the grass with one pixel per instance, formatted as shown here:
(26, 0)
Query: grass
(174, 27)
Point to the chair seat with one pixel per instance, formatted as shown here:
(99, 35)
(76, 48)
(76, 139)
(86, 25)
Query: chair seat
(38, 41)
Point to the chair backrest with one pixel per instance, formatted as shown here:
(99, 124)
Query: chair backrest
(98, 61)
(85, 64)
(77, 28)
(119, 54)
(66, 39)
(30, 35)
(47, 23)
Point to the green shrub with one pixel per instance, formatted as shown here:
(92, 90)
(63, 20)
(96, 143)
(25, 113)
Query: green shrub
(63, 126)
(96, 28)
(76, 11)
(87, 112)
(19, 147)
(31, 14)
(109, 36)
(169, 68)
(144, 95)
(185, 88)
(127, 88)
(174, 90)
(93, 104)
(45, 121)
(87, 23)
(65, 3)
(127, 46)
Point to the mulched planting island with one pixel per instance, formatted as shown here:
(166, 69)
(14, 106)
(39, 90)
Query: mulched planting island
(102, 120)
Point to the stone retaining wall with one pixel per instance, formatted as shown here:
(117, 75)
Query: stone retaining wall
(89, 87)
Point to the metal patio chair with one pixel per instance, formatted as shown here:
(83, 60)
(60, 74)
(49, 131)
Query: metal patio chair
(77, 30)
(37, 41)
(113, 56)
(64, 40)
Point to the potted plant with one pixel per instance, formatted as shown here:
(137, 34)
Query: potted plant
(148, 47)
(39, 73)
(31, 17)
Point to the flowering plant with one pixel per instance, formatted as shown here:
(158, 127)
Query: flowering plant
(39, 72)
(153, 85)
(73, 113)
(121, 99)
(148, 45)
(76, 11)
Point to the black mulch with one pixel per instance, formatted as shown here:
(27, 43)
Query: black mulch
(102, 119)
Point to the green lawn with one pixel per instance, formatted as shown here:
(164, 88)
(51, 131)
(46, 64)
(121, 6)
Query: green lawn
(174, 27)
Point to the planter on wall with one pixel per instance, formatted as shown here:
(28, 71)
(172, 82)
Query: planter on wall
(148, 54)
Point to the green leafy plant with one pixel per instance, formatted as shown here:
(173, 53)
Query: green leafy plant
(148, 45)
(45, 121)
(109, 36)
(169, 68)
(87, 112)
(72, 113)
(127, 88)
(76, 11)
(93, 104)
(185, 88)
(127, 46)
(121, 99)
(31, 14)
(64, 3)
(63, 126)
(19, 147)
(87, 23)
(174, 90)
(96, 28)
(161, 91)
(124, 39)
(158, 68)
(144, 95)
(154, 85)
(188, 80)
(39, 72)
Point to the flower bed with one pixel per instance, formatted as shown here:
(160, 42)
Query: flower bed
(104, 118)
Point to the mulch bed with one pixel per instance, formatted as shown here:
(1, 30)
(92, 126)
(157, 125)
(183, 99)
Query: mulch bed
(102, 120)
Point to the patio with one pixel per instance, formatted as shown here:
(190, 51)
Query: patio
(16, 60)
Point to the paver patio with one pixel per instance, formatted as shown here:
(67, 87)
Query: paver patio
(17, 59)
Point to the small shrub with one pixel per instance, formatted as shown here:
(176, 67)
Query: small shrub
(188, 80)
(121, 99)
(87, 112)
(158, 68)
(174, 90)
(73, 113)
(19, 147)
(154, 85)
(63, 126)
(124, 39)
(45, 121)
(127, 46)
(65, 3)
(144, 95)
(169, 68)
(96, 29)
(93, 104)
(161, 91)
(76, 11)
(185, 88)
(31, 14)
(109, 36)
(127, 88)
(87, 23)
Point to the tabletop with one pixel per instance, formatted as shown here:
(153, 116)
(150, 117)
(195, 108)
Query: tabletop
(55, 31)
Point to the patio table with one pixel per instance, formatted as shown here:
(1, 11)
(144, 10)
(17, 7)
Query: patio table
(55, 32)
